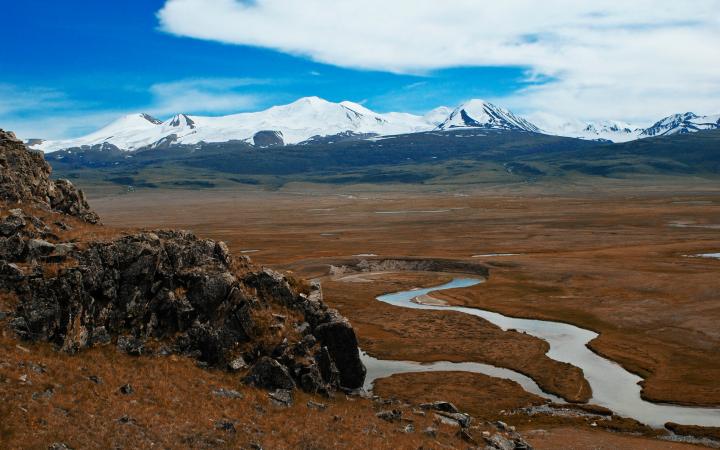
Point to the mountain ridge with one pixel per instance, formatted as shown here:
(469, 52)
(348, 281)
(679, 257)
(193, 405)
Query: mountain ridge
(311, 118)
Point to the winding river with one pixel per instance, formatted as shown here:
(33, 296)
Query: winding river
(613, 387)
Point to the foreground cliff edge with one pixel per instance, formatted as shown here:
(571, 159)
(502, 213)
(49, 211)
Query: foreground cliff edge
(131, 339)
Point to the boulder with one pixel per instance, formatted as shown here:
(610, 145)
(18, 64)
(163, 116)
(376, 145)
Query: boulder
(12, 223)
(339, 338)
(269, 374)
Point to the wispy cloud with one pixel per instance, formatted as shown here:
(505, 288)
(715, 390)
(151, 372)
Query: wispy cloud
(203, 96)
(16, 100)
(605, 58)
(53, 114)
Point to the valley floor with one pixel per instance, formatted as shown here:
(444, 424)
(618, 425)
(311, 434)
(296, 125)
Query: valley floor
(617, 263)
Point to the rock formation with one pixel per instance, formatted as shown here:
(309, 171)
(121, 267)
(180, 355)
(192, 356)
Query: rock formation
(162, 292)
(25, 179)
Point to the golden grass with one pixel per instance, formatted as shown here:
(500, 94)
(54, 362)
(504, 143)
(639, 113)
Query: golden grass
(173, 406)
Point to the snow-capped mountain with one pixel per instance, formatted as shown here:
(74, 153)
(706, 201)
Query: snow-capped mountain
(682, 124)
(610, 130)
(311, 118)
(481, 114)
(295, 122)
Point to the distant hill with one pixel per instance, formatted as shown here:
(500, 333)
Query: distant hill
(459, 156)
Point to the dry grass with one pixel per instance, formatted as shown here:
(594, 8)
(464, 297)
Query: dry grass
(172, 406)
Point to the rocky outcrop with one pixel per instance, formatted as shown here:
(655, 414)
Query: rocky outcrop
(25, 180)
(330, 328)
(174, 290)
(162, 292)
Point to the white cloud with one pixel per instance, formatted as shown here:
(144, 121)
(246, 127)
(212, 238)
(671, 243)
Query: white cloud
(51, 114)
(16, 100)
(203, 95)
(635, 60)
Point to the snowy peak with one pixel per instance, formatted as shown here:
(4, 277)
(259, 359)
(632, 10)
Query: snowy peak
(682, 124)
(180, 121)
(310, 118)
(437, 115)
(481, 114)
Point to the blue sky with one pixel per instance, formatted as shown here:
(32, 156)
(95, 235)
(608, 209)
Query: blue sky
(100, 59)
(70, 67)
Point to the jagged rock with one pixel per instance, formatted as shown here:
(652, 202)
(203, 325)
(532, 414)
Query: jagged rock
(126, 389)
(328, 370)
(59, 446)
(281, 397)
(25, 178)
(130, 345)
(499, 442)
(186, 294)
(270, 374)
(465, 435)
(440, 406)
(13, 248)
(12, 223)
(430, 432)
(227, 393)
(390, 416)
(311, 381)
(10, 273)
(38, 247)
(314, 405)
(340, 340)
(237, 364)
(459, 419)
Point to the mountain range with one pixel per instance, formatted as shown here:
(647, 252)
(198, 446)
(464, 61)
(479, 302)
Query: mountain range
(311, 119)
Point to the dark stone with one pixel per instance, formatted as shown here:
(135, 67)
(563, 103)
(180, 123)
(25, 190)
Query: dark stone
(462, 419)
(314, 405)
(440, 406)
(390, 416)
(126, 389)
(227, 393)
(311, 381)
(130, 345)
(328, 370)
(237, 364)
(95, 379)
(499, 442)
(9, 274)
(281, 397)
(126, 419)
(465, 435)
(270, 374)
(341, 342)
(13, 248)
(12, 223)
(59, 446)
(225, 425)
